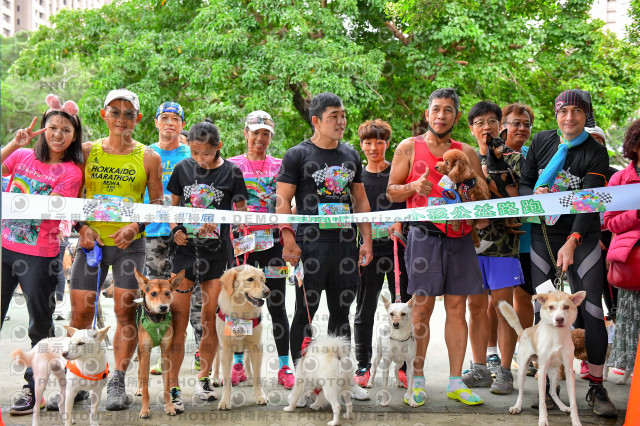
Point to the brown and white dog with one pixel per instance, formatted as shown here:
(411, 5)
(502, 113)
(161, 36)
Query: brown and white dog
(155, 313)
(549, 340)
(239, 325)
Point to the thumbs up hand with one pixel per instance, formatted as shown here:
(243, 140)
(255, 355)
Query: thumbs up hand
(423, 186)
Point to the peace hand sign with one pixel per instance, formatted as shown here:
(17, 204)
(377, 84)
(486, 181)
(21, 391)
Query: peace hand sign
(24, 136)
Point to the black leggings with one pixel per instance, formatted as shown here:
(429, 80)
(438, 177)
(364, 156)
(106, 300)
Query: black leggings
(38, 277)
(276, 301)
(587, 274)
(371, 281)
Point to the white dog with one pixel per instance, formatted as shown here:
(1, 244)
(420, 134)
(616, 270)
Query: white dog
(83, 355)
(239, 325)
(327, 368)
(395, 342)
(550, 340)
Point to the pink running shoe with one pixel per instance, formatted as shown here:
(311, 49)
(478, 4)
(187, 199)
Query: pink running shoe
(286, 378)
(403, 378)
(237, 374)
(584, 370)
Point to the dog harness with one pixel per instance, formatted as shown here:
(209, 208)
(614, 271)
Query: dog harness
(71, 366)
(255, 321)
(156, 327)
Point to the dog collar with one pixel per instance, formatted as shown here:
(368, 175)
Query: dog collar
(71, 366)
(255, 321)
(155, 325)
(410, 337)
(466, 186)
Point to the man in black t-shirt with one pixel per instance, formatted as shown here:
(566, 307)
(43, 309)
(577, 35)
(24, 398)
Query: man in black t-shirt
(574, 239)
(325, 177)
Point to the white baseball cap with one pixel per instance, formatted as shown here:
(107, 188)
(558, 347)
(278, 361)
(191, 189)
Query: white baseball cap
(124, 94)
(259, 120)
(596, 131)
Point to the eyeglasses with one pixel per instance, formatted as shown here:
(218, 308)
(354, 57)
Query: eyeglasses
(518, 124)
(164, 119)
(491, 122)
(260, 120)
(128, 115)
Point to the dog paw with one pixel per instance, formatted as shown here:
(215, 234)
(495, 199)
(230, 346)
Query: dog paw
(224, 406)
(515, 410)
(170, 410)
(144, 415)
(370, 384)
(261, 400)
(348, 416)
(315, 406)
(216, 381)
(288, 408)
(543, 422)
(412, 403)
(384, 403)
(138, 392)
(332, 423)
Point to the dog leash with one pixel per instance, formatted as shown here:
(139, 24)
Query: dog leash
(558, 283)
(94, 260)
(396, 262)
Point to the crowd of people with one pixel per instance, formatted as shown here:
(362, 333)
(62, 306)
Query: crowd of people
(322, 176)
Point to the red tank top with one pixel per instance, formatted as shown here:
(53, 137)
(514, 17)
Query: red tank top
(423, 159)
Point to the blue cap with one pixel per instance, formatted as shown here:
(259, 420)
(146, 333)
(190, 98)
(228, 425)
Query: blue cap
(173, 107)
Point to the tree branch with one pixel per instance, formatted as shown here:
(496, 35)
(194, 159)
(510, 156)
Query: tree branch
(397, 33)
(300, 102)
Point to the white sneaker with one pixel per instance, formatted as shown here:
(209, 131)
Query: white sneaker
(359, 393)
(302, 402)
(58, 313)
(204, 391)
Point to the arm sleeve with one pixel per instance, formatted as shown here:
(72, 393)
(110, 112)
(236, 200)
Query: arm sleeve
(529, 169)
(291, 168)
(595, 177)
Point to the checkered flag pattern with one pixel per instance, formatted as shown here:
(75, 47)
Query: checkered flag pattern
(567, 200)
(575, 182)
(217, 194)
(318, 176)
(91, 206)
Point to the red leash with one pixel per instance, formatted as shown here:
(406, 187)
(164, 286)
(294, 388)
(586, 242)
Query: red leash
(396, 262)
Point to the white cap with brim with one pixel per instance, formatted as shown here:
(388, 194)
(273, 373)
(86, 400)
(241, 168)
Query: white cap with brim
(125, 95)
(596, 131)
(259, 120)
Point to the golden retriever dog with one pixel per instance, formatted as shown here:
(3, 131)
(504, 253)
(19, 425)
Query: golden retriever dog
(239, 325)
(471, 187)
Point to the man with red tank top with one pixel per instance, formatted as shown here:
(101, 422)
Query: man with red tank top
(439, 260)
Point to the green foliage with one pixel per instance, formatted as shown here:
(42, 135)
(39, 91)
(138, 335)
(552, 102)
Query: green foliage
(225, 58)
(633, 30)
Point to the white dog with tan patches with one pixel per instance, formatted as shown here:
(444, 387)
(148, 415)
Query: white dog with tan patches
(549, 340)
(395, 342)
(79, 362)
(239, 325)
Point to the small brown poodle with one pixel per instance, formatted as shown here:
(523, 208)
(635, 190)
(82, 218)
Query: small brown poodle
(456, 165)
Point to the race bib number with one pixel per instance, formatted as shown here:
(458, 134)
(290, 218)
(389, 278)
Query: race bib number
(332, 209)
(276, 271)
(237, 327)
(264, 239)
(193, 230)
(244, 244)
(380, 229)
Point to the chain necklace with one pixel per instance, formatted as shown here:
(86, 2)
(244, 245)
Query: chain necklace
(261, 169)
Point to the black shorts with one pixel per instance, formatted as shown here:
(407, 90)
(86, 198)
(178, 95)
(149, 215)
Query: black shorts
(207, 265)
(525, 261)
(330, 265)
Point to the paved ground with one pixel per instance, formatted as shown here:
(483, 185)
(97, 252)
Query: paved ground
(438, 409)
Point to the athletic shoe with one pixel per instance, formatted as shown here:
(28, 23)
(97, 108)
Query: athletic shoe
(503, 383)
(584, 370)
(204, 391)
(157, 368)
(362, 377)
(52, 405)
(619, 371)
(117, 398)
(532, 370)
(477, 376)
(196, 363)
(547, 398)
(25, 404)
(599, 401)
(359, 393)
(419, 396)
(286, 378)
(402, 375)
(493, 364)
(237, 374)
(176, 399)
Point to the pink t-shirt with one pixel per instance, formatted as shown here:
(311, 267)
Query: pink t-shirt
(260, 179)
(30, 176)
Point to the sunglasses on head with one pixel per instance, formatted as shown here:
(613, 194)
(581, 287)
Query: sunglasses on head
(260, 120)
